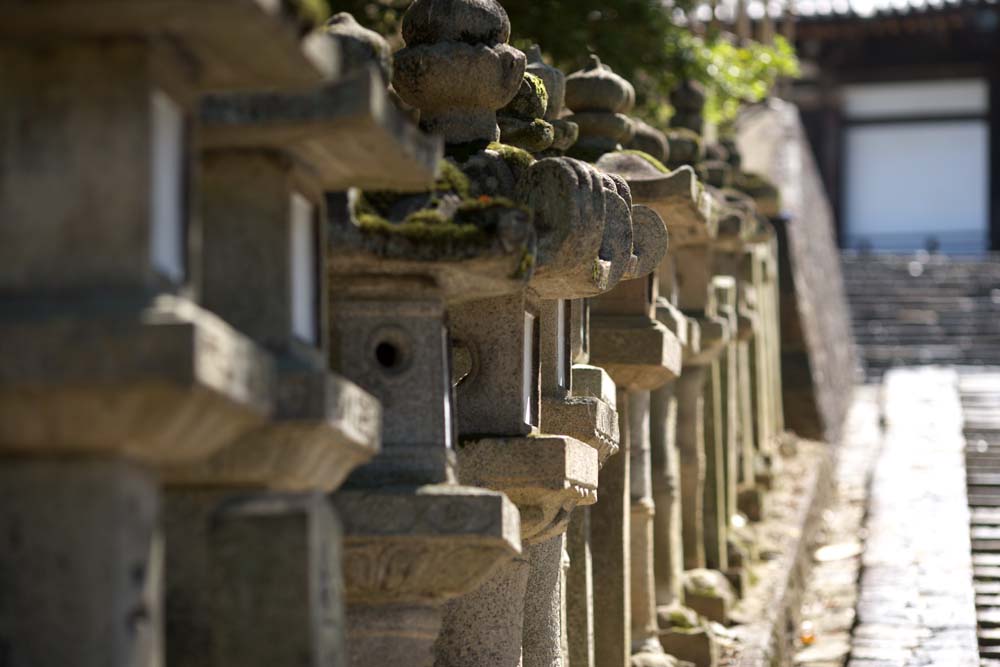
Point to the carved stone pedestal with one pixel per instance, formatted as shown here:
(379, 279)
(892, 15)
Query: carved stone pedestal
(225, 604)
(408, 550)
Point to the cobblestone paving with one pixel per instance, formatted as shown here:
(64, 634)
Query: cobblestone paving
(916, 604)
(828, 609)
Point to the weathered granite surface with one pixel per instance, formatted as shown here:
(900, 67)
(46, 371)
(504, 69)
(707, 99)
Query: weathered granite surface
(817, 349)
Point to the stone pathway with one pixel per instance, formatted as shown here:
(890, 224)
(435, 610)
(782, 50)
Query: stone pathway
(915, 604)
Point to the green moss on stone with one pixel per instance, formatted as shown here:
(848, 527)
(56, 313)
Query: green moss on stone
(525, 265)
(679, 619)
(470, 207)
(311, 12)
(424, 229)
(534, 137)
(514, 157)
(451, 178)
(530, 101)
(426, 217)
(538, 89)
(659, 166)
(705, 591)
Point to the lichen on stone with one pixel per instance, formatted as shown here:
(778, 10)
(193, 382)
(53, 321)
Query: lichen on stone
(451, 178)
(516, 158)
(659, 166)
(424, 227)
(679, 619)
(526, 264)
(530, 101)
(538, 89)
(533, 136)
(311, 13)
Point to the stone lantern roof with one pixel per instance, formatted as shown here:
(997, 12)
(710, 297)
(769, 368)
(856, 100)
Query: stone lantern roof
(215, 34)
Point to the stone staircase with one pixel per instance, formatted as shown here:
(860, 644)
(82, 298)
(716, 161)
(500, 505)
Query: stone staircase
(924, 309)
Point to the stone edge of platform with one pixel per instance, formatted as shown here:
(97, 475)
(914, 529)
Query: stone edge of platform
(770, 641)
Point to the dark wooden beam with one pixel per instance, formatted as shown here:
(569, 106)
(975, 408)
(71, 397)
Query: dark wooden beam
(994, 155)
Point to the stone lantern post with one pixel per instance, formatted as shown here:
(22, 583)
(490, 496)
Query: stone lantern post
(640, 354)
(504, 443)
(112, 371)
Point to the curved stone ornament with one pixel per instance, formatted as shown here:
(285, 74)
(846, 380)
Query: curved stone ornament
(569, 202)
(457, 67)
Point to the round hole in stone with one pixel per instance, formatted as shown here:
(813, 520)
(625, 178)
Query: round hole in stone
(387, 355)
(390, 350)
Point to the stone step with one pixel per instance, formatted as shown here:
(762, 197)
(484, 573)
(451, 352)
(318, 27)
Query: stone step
(986, 559)
(985, 519)
(989, 637)
(985, 533)
(986, 587)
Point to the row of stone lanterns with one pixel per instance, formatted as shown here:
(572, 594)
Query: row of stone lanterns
(282, 385)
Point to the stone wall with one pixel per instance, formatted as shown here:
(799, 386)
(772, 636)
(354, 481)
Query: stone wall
(289, 378)
(818, 360)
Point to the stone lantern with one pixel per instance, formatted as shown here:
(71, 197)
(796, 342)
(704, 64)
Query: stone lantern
(402, 266)
(414, 538)
(267, 160)
(599, 99)
(112, 370)
(640, 354)
(585, 238)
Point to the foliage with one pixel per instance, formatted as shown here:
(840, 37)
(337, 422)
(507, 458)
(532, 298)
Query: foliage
(732, 75)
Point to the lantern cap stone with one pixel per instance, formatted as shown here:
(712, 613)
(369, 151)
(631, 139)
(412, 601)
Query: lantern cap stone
(358, 45)
(597, 88)
(347, 132)
(469, 21)
(284, 52)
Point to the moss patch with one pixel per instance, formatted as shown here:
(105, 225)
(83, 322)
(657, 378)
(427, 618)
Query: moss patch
(530, 101)
(659, 166)
(679, 619)
(534, 136)
(514, 157)
(423, 228)
(451, 178)
(525, 265)
(538, 89)
(311, 13)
